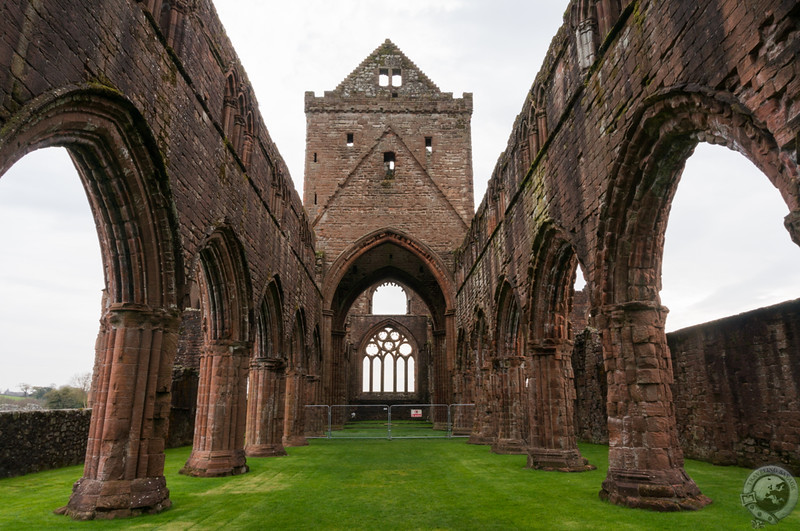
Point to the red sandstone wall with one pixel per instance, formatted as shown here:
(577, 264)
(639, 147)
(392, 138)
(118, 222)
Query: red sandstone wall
(737, 388)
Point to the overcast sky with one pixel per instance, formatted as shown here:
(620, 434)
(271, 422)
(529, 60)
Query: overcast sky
(726, 248)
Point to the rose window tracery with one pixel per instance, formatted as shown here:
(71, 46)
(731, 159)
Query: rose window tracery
(388, 365)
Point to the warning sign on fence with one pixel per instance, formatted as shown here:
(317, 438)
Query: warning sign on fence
(416, 413)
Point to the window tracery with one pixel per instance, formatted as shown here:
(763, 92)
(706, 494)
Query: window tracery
(388, 365)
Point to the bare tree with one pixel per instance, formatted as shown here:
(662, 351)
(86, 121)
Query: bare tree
(25, 388)
(83, 381)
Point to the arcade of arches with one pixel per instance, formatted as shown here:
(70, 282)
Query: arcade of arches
(230, 304)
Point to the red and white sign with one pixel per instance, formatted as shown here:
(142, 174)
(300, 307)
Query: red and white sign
(416, 413)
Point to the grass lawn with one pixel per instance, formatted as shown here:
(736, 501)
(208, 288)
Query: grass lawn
(382, 484)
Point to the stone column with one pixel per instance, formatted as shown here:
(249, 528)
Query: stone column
(265, 408)
(294, 427)
(792, 224)
(338, 373)
(218, 447)
(485, 408)
(123, 473)
(441, 377)
(512, 421)
(316, 418)
(551, 410)
(645, 461)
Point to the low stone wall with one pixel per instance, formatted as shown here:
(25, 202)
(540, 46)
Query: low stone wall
(737, 388)
(31, 441)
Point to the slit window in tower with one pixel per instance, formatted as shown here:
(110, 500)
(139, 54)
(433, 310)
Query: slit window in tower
(383, 77)
(429, 144)
(349, 139)
(388, 163)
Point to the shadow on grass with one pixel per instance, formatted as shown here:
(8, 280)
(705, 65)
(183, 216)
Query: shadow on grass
(381, 484)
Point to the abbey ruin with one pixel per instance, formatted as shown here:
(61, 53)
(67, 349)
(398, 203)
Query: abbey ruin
(231, 304)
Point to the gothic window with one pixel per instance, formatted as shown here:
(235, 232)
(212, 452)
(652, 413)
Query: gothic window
(388, 365)
(397, 78)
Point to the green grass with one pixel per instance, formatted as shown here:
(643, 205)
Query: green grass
(381, 484)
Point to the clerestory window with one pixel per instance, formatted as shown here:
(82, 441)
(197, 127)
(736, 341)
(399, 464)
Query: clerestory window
(389, 163)
(388, 365)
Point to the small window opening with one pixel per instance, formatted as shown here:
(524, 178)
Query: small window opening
(315, 157)
(388, 162)
(315, 198)
(394, 94)
(397, 78)
(349, 139)
(429, 144)
(383, 77)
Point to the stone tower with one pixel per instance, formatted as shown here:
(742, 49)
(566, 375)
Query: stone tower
(387, 148)
(388, 189)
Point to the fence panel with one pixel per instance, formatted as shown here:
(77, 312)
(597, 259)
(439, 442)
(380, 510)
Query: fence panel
(381, 421)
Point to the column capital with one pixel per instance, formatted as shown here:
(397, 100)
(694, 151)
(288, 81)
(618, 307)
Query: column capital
(136, 315)
(269, 364)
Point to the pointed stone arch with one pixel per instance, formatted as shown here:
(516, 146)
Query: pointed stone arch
(404, 336)
(507, 377)
(218, 446)
(552, 443)
(122, 172)
(267, 379)
(296, 372)
(484, 430)
(629, 313)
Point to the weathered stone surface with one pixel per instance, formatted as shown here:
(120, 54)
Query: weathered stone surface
(736, 388)
(31, 441)
(196, 212)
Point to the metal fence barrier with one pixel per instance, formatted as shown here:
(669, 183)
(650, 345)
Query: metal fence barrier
(383, 421)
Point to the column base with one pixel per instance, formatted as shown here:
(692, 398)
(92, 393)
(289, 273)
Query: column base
(656, 490)
(103, 499)
(295, 440)
(479, 438)
(509, 446)
(264, 450)
(212, 464)
(558, 460)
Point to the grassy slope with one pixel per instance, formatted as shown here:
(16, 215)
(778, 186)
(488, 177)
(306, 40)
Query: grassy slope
(400, 484)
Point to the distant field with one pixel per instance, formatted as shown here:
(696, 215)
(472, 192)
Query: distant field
(382, 484)
(8, 397)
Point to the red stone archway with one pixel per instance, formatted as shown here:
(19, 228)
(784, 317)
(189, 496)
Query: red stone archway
(552, 440)
(218, 445)
(645, 459)
(122, 172)
(267, 379)
(388, 254)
